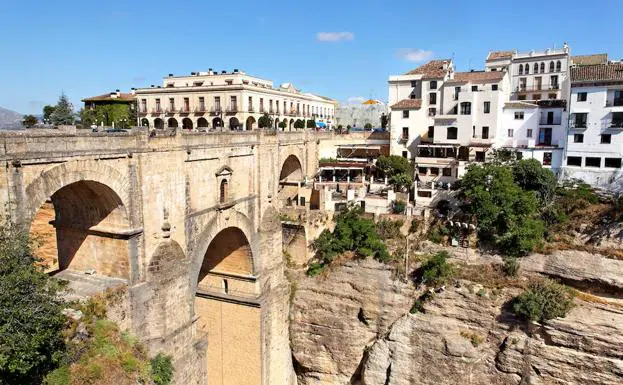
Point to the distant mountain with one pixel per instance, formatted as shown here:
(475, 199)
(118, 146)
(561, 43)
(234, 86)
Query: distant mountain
(10, 119)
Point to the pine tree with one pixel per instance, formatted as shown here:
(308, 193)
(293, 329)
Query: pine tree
(63, 112)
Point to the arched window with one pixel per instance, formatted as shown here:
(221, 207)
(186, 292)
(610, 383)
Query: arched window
(536, 68)
(521, 69)
(558, 66)
(542, 68)
(527, 69)
(551, 66)
(223, 192)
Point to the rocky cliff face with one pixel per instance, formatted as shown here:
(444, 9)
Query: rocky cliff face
(354, 327)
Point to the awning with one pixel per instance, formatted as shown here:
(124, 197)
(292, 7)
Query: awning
(320, 124)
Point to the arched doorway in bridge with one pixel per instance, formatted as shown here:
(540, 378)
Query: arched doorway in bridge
(187, 124)
(234, 124)
(83, 227)
(290, 178)
(276, 124)
(202, 123)
(159, 123)
(250, 123)
(217, 123)
(172, 123)
(228, 310)
(291, 124)
(144, 122)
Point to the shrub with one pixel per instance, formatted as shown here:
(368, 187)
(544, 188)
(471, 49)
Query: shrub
(283, 124)
(311, 124)
(388, 229)
(399, 207)
(315, 268)
(367, 126)
(414, 226)
(543, 300)
(436, 270)
(511, 266)
(161, 369)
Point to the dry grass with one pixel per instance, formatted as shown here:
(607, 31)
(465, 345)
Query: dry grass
(490, 276)
(475, 338)
(586, 297)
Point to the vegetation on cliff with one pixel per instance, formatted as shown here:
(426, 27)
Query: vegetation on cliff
(543, 300)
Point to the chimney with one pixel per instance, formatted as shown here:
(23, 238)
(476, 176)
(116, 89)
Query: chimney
(235, 70)
(170, 75)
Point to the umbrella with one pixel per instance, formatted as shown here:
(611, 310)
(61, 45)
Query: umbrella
(370, 102)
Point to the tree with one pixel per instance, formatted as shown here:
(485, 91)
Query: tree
(29, 121)
(394, 165)
(436, 270)
(283, 124)
(530, 175)
(63, 112)
(265, 121)
(311, 123)
(401, 180)
(47, 113)
(384, 121)
(542, 301)
(31, 322)
(299, 123)
(367, 126)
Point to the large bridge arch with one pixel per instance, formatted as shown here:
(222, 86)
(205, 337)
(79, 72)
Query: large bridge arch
(291, 169)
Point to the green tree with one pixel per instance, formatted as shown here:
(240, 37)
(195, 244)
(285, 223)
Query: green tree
(543, 300)
(47, 113)
(299, 123)
(311, 123)
(63, 112)
(530, 175)
(265, 121)
(161, 369)
(367, 126)
(503, 211)
(88, 117)
(394, 165)
(436, 270)
(401, 180)
(283, 124)
(29, 121)
(31, 343)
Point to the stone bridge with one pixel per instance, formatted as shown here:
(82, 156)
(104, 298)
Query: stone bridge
(189, 222)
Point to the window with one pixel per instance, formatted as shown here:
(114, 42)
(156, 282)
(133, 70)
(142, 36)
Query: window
(485, 132)
(474, 88)
(405, 114)
(452, 133)
(434, 171)
(424, 194)
(432, 111)
(202, 103)
(558, 66)
(494, 87)
(529, 133)
(233, 103)
(223, 191)
(581, 96)
(578, 138)
(412, 96)
(225, 286)
(551, 96)
(580, 120)
(143, 105)
(551, 66)
(422, 170)
(536, 97)
(592, 162)
(448, 171)
(542, 67)
(414, 83)
(432, 85)
(522, 84)
(518, 115)
(617, 119)
(466, 108)
(521, 97)
(457, 91)
(405, 154)
(432, 98)
(473, 131)
(606, 138)
(527, 69)
(536, 68)
(217, 103)
(511, 132)
(171, 104)
(431, 132)
(574, 161)
(480, 156)
(405, 132)
(487, 107)
(538, 83)
(553, 82)
(186, 104)
(519, 155)
(547, 159)
(521, 69)
(613, 162)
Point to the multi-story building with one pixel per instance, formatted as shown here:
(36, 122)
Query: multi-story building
(228, 101)
(595, 136)
(535, 119)
(415, 100)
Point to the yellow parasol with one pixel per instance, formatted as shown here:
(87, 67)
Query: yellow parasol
(370, 102)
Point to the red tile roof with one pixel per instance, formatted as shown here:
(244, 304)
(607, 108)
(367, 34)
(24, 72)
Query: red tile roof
(495, 55)
(476, 77)
(432, 69)
(599, 72)
(127, 97)
(583, 60)
(407, 104)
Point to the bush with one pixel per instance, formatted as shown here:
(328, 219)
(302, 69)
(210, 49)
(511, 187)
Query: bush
(399, 207)
(161, 369)
(367, 126)
(315, 268)
(283, 124)
(511, 266)
(311, 124)
(414, 227)
(436, 270)
(543, 300)
(388, 229)
(299, 123)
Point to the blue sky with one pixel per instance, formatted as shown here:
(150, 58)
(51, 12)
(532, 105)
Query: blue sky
(86, 48)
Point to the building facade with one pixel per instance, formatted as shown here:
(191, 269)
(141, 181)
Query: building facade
(229, 101)
(595, 139)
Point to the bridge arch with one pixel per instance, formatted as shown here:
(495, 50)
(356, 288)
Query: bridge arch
(291, 169)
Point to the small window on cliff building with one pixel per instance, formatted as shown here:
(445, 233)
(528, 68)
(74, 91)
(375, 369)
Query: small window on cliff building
(224, 188)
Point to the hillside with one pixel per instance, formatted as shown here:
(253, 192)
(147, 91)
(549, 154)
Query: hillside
(10, 119)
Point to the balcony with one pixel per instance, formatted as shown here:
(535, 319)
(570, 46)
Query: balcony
(578, 124)
(251, 109)
(142, 111)
(403, 139)
(171, 110)
(232, 108)
(157, 110)
(185, 110)
(614, 103)
(544, 121)
(537, 88)
(616, 124)
(216, 110)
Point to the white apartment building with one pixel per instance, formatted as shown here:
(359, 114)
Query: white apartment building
(595, 136)
(535, 119)
(228, 101)
(415, 99)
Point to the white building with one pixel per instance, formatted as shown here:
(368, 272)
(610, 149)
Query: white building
(228, 100)
(595, 136)
(415, 100)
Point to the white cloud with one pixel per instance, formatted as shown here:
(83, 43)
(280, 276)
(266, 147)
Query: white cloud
(414, 54)
(356, 100)
(335, 36)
